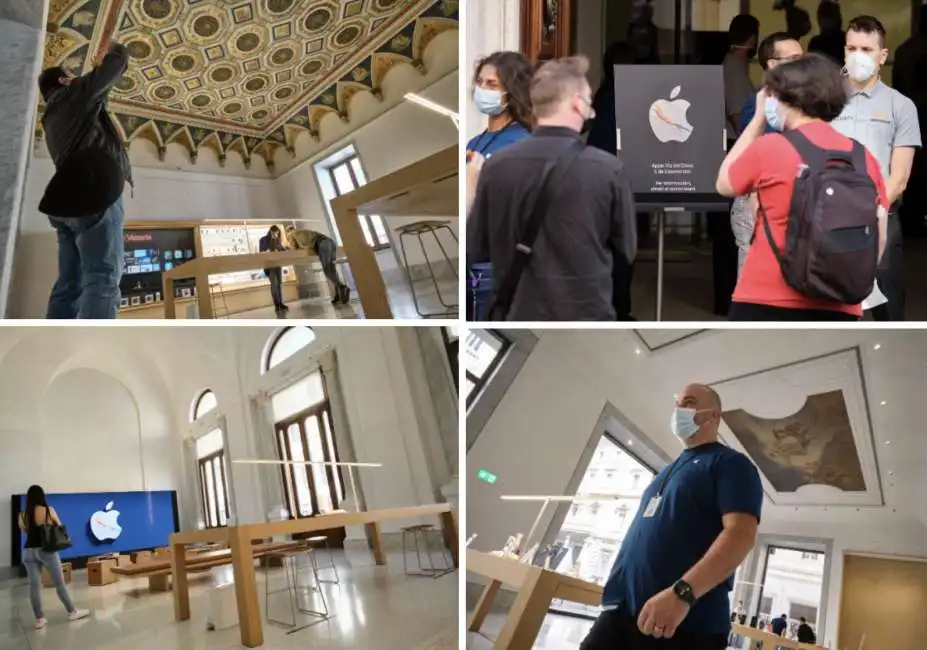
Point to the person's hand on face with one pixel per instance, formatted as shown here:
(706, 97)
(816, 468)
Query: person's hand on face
(662, 614)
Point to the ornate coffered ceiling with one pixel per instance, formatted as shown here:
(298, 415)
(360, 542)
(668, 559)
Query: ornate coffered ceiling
(243, 74)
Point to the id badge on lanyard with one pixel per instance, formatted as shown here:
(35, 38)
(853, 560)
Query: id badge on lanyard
(651, 510)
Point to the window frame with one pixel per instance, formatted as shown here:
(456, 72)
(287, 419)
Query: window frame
(194, 414)
(452, 348)
(275, 340)
(334, 475)
(366, 219)
(479, 383)
(216, 458)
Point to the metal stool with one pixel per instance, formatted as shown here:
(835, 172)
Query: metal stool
(213, 286)
(323, 540)
(422, 533)
(291, 571)
(418, 229)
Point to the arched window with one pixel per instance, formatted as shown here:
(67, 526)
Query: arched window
(203, 404)
(288, 342)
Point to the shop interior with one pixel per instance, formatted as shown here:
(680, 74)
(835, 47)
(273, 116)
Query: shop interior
(677, 32)
(550, 417)
(307, 476)
(240, 118)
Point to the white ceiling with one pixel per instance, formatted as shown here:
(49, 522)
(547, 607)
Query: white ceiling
(642, 381)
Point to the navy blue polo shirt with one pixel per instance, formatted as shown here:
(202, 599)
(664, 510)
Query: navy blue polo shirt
(701, 486)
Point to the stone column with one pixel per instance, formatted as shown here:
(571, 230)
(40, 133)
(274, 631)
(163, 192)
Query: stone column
(22, 33)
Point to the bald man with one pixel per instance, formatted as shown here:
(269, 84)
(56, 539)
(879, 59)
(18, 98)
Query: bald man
(668, 588)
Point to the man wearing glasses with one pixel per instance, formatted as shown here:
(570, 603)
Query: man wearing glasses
(697, 522)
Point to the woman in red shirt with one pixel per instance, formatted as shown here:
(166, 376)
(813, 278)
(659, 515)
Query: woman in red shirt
(804, 94)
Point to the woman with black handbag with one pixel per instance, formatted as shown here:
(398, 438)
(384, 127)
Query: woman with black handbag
(45, 536)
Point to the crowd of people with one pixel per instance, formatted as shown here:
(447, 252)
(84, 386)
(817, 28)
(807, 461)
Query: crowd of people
(819, 177)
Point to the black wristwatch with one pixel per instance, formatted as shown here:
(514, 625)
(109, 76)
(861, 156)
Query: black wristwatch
(683, 591)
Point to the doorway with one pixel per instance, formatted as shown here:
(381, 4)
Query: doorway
(594, 527)
(792, 584)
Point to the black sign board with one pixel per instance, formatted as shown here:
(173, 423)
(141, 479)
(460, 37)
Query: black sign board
(671, 136)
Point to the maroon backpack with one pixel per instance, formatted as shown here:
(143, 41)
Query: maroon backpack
(832, 237)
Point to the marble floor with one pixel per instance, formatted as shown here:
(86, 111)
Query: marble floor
(373, 607)
(400, 299)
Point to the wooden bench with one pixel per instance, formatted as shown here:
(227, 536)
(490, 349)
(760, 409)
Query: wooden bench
(158, 569)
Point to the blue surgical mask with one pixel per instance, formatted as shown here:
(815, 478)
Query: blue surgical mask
(773, 115)
(683, 423)
(488, 102)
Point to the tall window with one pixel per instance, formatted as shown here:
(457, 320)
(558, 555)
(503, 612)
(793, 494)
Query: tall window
(484, 351)
(304, 431)
(214, 493)
(451, 336)
(287, 343)
(342, 173)
(205, 403)
(792, 584)
(591, 536)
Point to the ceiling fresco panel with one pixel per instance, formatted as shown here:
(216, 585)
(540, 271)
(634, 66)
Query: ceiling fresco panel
(244, 68)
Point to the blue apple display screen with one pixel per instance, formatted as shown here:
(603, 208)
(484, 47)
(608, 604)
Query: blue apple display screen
(145, 520)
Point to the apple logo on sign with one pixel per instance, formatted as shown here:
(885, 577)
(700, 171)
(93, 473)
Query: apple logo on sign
(668, 119)
(104, 524)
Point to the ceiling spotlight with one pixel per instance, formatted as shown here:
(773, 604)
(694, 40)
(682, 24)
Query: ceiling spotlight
(891, 473)
(637, 350)
(888, 442)
(630, 443)
(877, 346)
(882, 403)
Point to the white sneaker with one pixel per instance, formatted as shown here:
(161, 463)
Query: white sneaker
(41, 623)
(78, 614)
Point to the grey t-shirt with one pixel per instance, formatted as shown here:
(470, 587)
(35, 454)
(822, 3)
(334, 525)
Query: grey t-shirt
(881, 119)
(737, 90)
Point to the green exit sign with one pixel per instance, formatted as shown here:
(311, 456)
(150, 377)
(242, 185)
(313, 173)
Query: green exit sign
(486, 476)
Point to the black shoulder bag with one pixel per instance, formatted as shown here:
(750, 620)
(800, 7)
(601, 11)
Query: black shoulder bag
(54, 536)
(551, 181)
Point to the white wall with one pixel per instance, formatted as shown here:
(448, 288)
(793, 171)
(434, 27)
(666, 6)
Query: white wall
(97, 409)
(161, 194)
(403, 135)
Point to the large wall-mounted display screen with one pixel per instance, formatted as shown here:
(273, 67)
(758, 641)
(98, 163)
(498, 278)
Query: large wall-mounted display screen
(154, 251)
(109, 522)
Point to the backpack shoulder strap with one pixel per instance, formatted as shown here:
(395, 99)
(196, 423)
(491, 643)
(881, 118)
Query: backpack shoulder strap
(858, 155)
(552, 180)
(811, 154)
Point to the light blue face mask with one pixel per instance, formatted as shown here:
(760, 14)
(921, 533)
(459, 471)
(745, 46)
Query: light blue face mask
(488, 102)
(773, 114)
(683, 423)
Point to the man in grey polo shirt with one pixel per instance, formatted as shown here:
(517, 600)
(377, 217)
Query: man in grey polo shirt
(885, 121)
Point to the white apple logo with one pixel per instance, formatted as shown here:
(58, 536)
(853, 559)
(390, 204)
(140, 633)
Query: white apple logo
(104, 524)
(668, 119)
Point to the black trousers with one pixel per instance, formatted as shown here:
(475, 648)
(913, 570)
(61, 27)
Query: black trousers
(746, 311)
(276, 286)
(891, 273)
(723, 260)
(616, 631)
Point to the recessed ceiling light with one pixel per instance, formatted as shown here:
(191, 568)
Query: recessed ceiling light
(888, 442)
(630, 443)
(877, 346)
(891, 473)
(883, 403)
(637, 350)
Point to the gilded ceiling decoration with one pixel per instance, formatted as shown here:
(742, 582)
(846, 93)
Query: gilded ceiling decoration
(243, 74)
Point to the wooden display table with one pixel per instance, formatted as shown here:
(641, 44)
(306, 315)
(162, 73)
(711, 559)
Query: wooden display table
(241, 550)
(536, 587)
(769, 640)
(201, 268)
(427, 189)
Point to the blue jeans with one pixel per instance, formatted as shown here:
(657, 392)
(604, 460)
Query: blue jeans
(89, 265)
(35, 559)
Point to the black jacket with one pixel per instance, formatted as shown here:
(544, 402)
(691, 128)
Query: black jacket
(75, 116)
